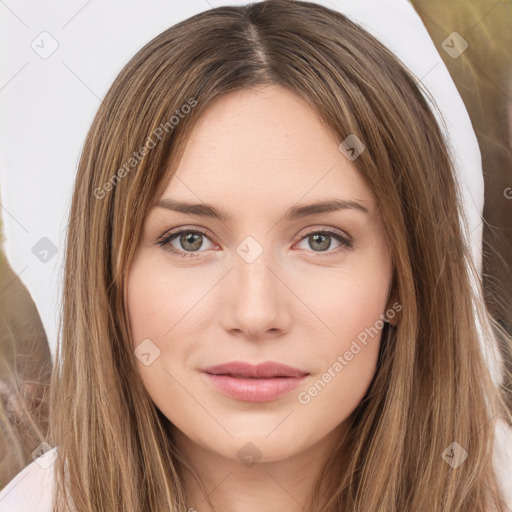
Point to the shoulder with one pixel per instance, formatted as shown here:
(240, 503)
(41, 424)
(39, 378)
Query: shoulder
(502, 459)
(31, 490)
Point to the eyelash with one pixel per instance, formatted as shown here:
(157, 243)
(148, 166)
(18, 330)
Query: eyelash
(166, 239)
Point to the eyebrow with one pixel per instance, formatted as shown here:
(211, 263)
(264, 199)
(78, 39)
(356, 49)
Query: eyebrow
(293, 213)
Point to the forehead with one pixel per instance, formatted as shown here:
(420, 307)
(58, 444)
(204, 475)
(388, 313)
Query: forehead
(267, 146)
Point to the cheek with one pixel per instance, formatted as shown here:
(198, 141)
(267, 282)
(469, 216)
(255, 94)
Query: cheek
(357, 312)
(167, 316)
(153, 312)
(159, 302)
(347, 358)
(350, 304)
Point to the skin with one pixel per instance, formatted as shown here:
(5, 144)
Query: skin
(302, 302)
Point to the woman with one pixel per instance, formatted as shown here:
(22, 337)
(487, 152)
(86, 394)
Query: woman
(268, 300)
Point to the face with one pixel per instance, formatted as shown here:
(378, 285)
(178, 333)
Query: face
(267, 281)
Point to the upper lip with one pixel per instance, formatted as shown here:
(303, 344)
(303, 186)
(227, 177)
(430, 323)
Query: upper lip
(263, 370)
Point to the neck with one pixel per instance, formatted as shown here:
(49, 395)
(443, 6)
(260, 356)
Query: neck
(270, 485)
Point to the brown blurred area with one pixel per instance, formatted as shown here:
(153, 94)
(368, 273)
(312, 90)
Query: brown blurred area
(483, 76)
(25, 368)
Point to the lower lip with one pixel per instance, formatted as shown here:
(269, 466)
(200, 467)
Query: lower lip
(254, 390)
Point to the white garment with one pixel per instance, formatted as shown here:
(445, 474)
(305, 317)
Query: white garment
(31, 490)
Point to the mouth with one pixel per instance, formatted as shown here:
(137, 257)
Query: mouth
(267, 370)
(254, 383)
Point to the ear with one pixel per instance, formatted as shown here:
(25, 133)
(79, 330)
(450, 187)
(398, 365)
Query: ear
(393, 306)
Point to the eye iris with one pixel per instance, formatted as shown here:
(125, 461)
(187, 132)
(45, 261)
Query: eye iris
(191, 238)
(318, 236)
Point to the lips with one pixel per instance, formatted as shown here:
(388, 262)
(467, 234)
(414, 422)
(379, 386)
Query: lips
(266, 370)
(254, 383)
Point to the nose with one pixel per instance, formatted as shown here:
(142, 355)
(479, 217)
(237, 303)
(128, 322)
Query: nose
(256, 300)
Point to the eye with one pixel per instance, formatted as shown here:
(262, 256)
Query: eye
(320, 241)
(191, 241)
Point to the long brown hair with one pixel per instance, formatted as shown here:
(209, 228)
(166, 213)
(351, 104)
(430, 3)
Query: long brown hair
(432, 386)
